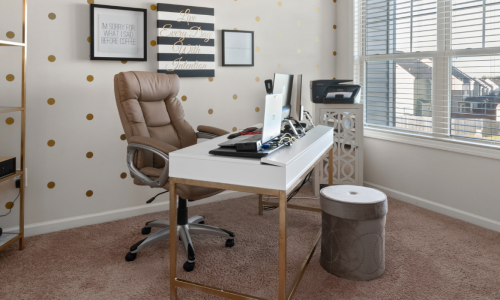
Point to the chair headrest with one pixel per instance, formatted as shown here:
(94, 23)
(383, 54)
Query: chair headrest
(147, 86)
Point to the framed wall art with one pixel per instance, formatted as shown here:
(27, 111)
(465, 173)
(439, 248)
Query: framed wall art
(186, 37)
(237, 48)
(117, 33)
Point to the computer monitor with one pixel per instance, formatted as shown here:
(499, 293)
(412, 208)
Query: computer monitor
(299, 109)
(283, 84)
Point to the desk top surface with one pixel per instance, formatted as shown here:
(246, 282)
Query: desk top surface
(281, 157)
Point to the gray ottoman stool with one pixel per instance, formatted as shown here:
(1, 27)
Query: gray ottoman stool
(353, 233)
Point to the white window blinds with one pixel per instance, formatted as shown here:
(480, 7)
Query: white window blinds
(430, 67)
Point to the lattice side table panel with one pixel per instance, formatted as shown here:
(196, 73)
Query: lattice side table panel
(347, 122)
(344, 152)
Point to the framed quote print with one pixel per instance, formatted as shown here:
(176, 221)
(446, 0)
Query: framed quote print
(186, 37)
(237, 48)
(117, 33)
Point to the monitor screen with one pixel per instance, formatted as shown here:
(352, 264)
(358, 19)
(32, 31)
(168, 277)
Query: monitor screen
(298, 103)
(283, 84)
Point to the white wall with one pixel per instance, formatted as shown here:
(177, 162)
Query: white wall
(459, 185)
(304, 25)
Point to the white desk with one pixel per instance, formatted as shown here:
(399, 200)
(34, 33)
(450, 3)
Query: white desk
(276, 175)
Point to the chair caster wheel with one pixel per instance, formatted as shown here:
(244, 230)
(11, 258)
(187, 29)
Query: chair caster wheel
(146, 230)
(188, 266)
(230, 243)
(130, 256)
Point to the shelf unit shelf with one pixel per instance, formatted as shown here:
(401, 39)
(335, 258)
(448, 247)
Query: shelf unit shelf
(8, 238)
(11, 176)
(15, 44)
(8, 109)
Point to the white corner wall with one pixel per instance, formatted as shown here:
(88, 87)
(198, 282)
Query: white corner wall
(458, 185)
(280, 33)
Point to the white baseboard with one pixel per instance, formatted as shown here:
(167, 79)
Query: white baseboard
(439, 208)
(112, 215)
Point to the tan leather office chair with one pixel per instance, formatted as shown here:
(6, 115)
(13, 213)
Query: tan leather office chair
(153, 120)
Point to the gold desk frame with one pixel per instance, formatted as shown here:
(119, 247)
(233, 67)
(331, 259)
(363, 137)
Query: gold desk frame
(282, 204)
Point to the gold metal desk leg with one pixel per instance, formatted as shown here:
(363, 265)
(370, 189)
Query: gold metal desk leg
(330, 167)
(173, 239)
(282, 246)
(261, 210)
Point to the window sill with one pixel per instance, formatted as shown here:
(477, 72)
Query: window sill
(487, 151)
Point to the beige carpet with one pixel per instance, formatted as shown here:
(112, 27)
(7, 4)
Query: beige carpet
(428, 256)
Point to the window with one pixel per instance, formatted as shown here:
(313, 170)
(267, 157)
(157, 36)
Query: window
(430, 67)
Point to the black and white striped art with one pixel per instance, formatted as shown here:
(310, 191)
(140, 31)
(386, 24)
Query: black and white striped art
(186, 44)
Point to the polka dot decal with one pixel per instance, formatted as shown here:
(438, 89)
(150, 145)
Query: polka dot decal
(10, 77)
(90, 78)
(235, 96)
(299, 23)
(51, 185)
(52, 58)
(334, 53)
(9, 121)
(153, 43)
(89, 193)
(90, 1)
(52, 16)
(9, 205)
(123, 137)
(235, 129)
(10, 34)
(123, 175)
(299, 51)
(334, 26)
(184, 98)
(257, 19)
(51, 143)
(90, 155)
(279, 65)
(124, 61)
(210, 111)
(279, 4)
(279, 34)
(153, 7)
(51, 101)
(90, 117)
(257, 109)
(88, 39)
(210, 79)
(257, 49)
(257, 79)
(317, 67)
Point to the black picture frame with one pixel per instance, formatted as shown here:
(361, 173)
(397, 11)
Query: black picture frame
(92, 34)
(224, 64)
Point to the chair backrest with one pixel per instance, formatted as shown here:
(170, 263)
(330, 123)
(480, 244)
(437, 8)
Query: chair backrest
(148, 106)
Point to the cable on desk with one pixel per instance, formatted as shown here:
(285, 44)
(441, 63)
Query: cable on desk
(292, 194)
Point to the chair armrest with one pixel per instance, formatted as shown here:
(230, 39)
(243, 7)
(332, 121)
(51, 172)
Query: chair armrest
(157, 147)
(208, 132)
(157, 144)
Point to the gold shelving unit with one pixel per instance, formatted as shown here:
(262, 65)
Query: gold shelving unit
(9, 238)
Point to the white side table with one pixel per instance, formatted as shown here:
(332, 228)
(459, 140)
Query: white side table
(347, 122)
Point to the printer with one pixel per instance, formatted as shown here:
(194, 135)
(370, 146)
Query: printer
(333, 91)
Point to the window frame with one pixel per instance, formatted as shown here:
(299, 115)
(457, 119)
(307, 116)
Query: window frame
(441, 86)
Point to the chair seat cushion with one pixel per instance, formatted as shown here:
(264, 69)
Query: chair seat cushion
(187, 192)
